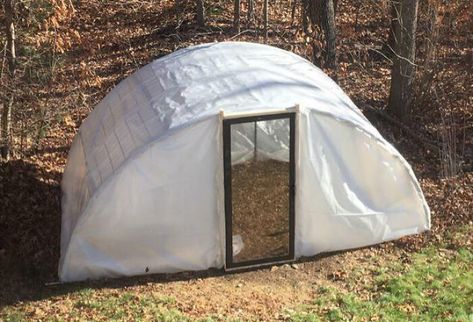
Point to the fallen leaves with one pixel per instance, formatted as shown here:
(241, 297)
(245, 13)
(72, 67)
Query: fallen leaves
(107, 40)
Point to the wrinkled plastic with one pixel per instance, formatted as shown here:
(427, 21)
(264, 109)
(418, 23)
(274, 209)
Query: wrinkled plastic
(143, 186)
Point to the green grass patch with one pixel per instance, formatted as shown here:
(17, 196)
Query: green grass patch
(437, 285)
(91, 305)
(127, 306)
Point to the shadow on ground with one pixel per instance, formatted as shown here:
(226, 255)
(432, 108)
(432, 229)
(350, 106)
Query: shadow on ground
(29, 228)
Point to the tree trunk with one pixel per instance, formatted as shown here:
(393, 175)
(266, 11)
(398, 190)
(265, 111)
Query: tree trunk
(265, 14)
(305, 15)
(200, 13)
(293, 11)
(9, 9)
(429, 68)
(251, 11)
(328, 25)
(403, 70)
(321, 13)
(357, 15)
(236, 17)
(391, 36)
(10, 29)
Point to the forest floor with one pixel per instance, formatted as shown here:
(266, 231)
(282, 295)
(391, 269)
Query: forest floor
(428, 276)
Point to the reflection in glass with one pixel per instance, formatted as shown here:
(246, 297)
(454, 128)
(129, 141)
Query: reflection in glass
(260, 189)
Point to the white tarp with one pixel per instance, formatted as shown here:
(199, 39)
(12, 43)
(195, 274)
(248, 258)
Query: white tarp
(143, 186)
(271, 139)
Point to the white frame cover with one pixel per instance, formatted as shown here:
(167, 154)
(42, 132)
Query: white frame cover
(143, 185)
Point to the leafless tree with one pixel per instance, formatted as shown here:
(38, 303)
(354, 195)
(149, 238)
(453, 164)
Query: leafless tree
(321, 14)
(236, 17)
(251, 11)
(10, 53)
(200, 7)
(391, 36)
(265, 18)
(403, 70)
(328, 25)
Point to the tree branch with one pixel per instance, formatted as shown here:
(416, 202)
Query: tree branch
(429, 144)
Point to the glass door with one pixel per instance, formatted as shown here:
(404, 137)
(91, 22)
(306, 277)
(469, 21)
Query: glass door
(259, 171)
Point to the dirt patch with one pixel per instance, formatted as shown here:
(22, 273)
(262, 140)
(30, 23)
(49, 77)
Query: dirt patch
(260, 191)
(143, 31)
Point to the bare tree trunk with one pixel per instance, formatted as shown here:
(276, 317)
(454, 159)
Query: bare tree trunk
(328, 25)
(236, 17)
(306, 13)
(403, 70)
(357, 15)
(321, 13)
(293, 11)
(429, 68)
(265, 14)
(9, 9)
(200, 13)
(391, 36)
(251, 11)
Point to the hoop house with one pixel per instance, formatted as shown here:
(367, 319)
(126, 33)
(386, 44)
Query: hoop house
(152, 179)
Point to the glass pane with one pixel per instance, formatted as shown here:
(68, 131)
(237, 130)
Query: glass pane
(260, 189)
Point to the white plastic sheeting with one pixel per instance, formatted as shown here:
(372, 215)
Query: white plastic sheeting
(143, 186)
(266, 139)
(353, 189)
(159, 214)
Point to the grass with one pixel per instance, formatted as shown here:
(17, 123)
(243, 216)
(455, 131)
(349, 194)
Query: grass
(434, 284)
(437, 285)
(127, 306)
(87, 304)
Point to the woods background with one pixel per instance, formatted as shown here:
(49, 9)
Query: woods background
(407, 64)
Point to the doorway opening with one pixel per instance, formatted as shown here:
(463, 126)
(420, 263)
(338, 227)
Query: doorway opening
(259, 172)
